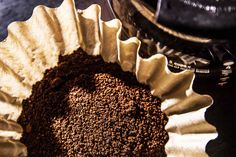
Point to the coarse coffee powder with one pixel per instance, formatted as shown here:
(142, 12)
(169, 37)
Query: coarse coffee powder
(88, 108)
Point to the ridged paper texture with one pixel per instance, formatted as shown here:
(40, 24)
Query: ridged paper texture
(35, 45)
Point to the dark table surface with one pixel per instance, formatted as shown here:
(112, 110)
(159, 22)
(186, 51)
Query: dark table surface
(21, 10)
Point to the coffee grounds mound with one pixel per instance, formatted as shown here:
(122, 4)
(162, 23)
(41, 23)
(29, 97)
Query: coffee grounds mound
(88, 108)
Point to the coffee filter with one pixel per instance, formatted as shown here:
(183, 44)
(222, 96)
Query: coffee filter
(34, 45)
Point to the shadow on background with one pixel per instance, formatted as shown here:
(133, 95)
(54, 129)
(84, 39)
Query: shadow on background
(222, 114)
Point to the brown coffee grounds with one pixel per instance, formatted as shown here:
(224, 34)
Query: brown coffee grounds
(85, 107)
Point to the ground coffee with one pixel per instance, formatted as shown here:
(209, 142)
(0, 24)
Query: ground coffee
(85, 107)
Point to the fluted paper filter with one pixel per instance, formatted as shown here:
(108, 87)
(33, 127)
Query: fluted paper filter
(35, 45)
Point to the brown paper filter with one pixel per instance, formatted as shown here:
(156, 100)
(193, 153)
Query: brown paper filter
(35, 45)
